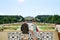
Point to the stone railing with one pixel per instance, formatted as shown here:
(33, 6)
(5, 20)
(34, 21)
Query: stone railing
(16, 35)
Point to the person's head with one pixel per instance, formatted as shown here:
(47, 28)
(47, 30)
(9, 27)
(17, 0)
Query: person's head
(34, 21)
(25, 21)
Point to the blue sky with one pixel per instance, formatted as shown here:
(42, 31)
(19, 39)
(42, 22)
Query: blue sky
(29, 7)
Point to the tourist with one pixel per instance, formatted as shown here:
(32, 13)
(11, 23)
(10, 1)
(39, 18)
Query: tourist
(32, 29)
(25, 30)
(57, 27)
(35, 30)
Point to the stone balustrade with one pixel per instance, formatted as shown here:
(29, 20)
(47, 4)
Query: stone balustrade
(16, 35)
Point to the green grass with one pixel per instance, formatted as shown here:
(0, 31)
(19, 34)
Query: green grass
(16, 26)
(11, 28)
(46, 28)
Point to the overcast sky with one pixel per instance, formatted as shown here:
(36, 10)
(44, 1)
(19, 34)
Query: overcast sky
(29, 7)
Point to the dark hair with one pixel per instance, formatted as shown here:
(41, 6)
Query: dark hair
(34, 20)
(25, 20)
(24, 28)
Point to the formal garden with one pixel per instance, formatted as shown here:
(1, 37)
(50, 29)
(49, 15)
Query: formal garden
(10, 27)
(18, 25)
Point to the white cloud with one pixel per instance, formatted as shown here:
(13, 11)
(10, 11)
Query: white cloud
(17, 13)
(2, 14)
(21, 1)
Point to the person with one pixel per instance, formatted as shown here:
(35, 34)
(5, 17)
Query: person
(57, 27)
(33, 29)
(25, 30)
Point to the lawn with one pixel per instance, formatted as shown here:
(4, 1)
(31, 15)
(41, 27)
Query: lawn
(17, 26)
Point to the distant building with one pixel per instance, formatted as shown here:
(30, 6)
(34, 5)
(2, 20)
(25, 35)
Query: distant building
(29, 18)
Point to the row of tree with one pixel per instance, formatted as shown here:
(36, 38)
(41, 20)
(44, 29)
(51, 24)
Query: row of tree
(38, 18)
(10, 19)
(48, 18)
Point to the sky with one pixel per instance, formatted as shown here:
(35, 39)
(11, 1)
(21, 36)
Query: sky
(29, 7)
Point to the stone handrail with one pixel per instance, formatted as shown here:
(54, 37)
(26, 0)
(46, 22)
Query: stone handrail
(4, 34)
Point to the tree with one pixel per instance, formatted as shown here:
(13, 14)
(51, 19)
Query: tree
(20, 18)
(56, 19)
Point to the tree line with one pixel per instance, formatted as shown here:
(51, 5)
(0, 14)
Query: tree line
(10, 19)
(39, 18)
(48, 18)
